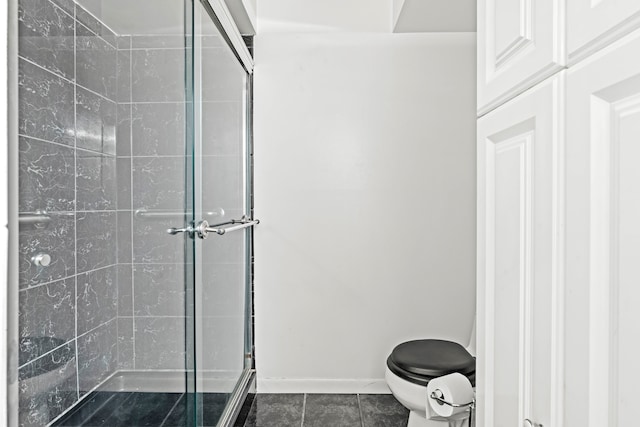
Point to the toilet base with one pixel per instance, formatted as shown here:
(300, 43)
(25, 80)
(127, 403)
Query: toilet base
(417, 420)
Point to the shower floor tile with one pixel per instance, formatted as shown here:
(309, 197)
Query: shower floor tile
(109, 409)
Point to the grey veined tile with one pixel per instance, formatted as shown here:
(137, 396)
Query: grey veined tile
(46, 36)
(123, 166)
(96, 120)
(123, 132)
(46, 109)
(125, 290)
(47, 174)
(47, 386)
(92, 20)
(96, 63)
(124, 237)
(159, 343)
(158, 182)
(46, 311)
(158, 75)
(159, 289)
(56, 239)
(336, 410)
(97, 356)
(152, 243)
(125, 343)
(382, 410)
(158, 129)
(97, 298)
(223, 128)
(123, 75)
(96, 240)
(276, 410)
(66, 5)
(95, 181)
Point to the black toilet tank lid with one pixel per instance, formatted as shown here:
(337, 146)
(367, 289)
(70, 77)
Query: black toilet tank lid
(433, 358)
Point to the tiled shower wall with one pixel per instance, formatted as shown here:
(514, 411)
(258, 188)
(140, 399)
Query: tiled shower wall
(102, 131)
(152, 167)
(68, 92)
(101, 136)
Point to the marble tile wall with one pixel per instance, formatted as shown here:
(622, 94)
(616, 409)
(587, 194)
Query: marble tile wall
(150, 160)
(68, 114)
(102, 141)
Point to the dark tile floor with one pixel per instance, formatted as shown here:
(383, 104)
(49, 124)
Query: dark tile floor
(261, 410)
(326, 410)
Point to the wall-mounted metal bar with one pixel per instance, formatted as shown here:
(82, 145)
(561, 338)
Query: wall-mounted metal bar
(149, 214)
(37, 218)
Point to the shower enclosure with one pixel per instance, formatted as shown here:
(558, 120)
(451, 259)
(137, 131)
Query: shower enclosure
(132, 266)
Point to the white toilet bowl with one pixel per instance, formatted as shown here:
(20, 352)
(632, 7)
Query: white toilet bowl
(413, 364)
(414, 398)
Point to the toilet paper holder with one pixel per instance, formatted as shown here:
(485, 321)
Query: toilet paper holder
(437, 395)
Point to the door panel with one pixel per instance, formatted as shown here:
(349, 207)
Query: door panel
(519, 44)
(602, 247)
(519, 315)
(220, 183)
(593, 24)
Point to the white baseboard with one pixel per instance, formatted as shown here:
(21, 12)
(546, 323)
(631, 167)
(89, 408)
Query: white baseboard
(314, 385)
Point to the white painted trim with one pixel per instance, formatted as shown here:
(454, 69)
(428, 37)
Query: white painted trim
(550, 71)
(558, 247)
(605, 39)
(223, 14)
(315, 385)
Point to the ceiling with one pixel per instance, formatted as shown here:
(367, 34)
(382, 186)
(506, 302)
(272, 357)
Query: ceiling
(434, 16)
(385, 16)
(295, 16)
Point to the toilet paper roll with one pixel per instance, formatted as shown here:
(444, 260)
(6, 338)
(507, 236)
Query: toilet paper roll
(454, 388)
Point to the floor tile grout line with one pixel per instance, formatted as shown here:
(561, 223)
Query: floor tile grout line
(360, 410)
(171, 410)
(304, 408)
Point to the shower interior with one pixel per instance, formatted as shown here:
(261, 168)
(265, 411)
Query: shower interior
(134, 118)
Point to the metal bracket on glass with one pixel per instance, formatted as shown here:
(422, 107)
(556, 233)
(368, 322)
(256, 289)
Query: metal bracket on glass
(203, 228)
(173, 231)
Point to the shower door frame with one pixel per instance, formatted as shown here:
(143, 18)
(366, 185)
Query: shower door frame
(9, 194)
(222, 19)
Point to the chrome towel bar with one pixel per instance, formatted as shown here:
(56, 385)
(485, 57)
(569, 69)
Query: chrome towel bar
(149, 214)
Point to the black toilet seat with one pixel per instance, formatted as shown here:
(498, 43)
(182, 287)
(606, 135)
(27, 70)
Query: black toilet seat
(420, 361)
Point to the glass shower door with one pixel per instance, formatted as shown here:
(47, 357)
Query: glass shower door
(221, 297)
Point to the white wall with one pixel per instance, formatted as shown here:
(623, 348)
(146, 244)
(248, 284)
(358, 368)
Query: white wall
(324, 15)
(365, 186)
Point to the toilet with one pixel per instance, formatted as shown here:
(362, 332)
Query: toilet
(412, 364)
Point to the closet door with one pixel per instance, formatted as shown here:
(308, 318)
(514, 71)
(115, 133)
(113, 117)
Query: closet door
(519, 246)
(603, 238)
(520, 43)
(593, 24)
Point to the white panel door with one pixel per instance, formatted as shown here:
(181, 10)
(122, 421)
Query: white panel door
(520, 43)
(593, 24)
(603, 238)
(519, 249)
